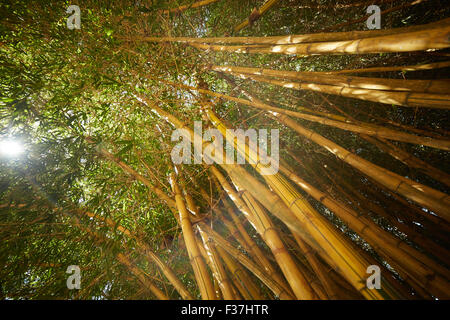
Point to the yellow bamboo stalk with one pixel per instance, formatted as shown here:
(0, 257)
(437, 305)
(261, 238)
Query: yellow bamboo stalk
(336, 246)
(401, 98)
(291, 271)
(256, 222)
(234, 232)
(243, 282)
(298, 223)
(415, 263)
(236, 293)
(217, 267)
(365, 128)
(216, 285)
(422, 40)
(198, 264)
(159, 192)
(235, 228)
(425, 86)
(430, 198)
(317, 267)
(410, 160)
(390, 180)
(427, 66)
(250, 265)
(274, 204)
(296, 39)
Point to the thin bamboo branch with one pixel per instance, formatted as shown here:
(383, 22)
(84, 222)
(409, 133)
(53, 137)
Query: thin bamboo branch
(256, 14)
(144, 280)
(189, 6)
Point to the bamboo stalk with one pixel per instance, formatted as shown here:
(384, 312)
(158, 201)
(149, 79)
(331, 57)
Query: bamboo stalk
(416, 264)
(255, 220)
(244, 260)
(243, 281)
(317, 267)
(234, 232)
(430, 221)
(410, 160)
(202, 249)
(293, 273)
(390, 180)
(401, 98)
(425, 86)
(428, 197)
(198, 264)
(217, 267)
(411, 41)
(335, 245)
(252, 248)
(300, 224)
(296, 39)
(427, 66)
(122, 257)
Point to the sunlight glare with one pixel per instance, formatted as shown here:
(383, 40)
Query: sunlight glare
(11, 148)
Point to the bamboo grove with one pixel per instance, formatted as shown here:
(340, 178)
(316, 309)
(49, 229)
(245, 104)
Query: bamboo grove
(363, 150)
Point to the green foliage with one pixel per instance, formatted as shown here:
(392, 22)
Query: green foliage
(60, 86)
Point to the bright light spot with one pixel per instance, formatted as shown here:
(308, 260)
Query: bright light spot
(276, 49)
(11, 148)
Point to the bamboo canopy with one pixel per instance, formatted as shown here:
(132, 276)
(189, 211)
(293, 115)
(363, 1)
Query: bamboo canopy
(165, 158)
